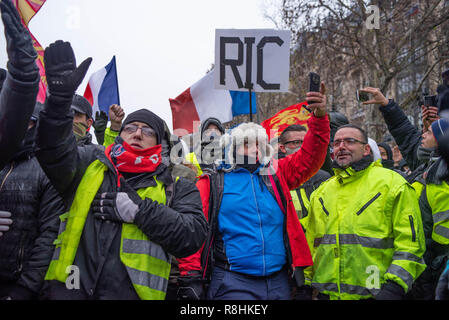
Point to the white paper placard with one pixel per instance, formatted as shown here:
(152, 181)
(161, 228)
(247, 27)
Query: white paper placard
(257, 57)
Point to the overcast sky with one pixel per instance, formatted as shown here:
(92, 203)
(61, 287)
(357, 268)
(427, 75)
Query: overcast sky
(161, 47)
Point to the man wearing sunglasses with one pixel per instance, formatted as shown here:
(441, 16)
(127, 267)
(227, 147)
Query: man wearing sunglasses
(364, 227)
(126, 213)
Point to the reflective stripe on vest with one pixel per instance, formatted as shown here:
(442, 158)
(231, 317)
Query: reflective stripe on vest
(368, 242)
(69, 238)
(346, 288)
(147, 264)
(438, 198)
(297, 202)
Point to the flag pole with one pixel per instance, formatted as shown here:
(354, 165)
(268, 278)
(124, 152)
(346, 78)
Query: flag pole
(250, 106)
(116, 79)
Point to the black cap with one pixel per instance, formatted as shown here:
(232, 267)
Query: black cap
(81, 105)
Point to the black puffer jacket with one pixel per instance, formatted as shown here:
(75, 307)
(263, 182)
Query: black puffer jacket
(17, 100)
(26, 249)
(180, 228)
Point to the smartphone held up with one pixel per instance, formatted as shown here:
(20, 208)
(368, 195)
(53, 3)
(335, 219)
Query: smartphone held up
(362, 96)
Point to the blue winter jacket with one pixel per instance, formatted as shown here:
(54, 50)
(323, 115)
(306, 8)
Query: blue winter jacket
(251, 224)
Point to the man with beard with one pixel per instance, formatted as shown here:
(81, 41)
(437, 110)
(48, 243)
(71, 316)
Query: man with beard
(364, 227)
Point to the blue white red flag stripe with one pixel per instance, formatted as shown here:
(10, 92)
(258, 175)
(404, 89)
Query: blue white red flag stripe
(102, 89)
(202, 101)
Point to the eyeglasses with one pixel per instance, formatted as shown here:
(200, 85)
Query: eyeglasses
(347, 142)
(147, 131)
(294, 142)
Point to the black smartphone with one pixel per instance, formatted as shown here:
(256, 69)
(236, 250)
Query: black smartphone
(430, 101)
(314, 82)
(362, 96)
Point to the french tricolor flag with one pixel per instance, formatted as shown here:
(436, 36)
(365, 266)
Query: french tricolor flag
(102, 88)
(202, 101)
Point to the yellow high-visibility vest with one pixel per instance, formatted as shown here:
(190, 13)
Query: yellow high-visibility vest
(147, 264)
(438, 198)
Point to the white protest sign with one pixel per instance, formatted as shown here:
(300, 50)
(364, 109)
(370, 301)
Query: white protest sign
(256, 58)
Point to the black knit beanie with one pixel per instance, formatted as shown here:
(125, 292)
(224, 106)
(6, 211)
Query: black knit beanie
(149, 118)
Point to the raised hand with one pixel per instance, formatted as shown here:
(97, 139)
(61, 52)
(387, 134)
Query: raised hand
(63, 77)
(377, 96)
(429, 115)
(317, 101)
(116, 115)
(19, 45)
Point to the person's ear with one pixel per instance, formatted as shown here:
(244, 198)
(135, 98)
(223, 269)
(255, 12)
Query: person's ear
(282, 148)
(89, 122)
(367, 150)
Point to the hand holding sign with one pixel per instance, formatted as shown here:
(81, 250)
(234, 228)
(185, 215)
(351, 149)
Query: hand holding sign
(317, 101)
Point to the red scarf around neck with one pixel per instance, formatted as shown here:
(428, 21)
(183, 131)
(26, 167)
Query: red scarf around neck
(128, 159)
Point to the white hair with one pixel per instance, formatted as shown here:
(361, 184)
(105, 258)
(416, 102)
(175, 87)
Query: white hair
(250, 132)
(374, 149)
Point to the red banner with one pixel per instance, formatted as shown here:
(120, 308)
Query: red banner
(27, 9)
(295, 114)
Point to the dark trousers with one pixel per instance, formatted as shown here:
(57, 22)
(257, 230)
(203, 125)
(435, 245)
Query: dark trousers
(229, 285)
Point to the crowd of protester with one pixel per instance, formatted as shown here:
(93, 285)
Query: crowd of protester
(320, 212)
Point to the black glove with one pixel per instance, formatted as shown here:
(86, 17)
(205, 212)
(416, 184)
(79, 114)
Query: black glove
(391, 291)
(117, 206)
(100, 124)
(303, 293)
(442, 290)
(191, 288)
(19, 45)
(5, 221)
(63, 77)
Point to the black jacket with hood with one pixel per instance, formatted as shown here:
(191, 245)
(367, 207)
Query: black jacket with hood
(198, 149)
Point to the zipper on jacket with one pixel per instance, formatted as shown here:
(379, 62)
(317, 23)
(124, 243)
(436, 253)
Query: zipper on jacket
(6, 176)
(21, 250)
(366, 205)
(324, 208)
(260, 223)
(412, 225)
